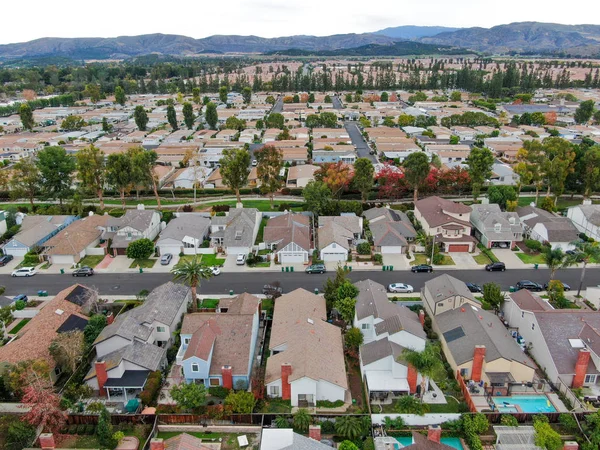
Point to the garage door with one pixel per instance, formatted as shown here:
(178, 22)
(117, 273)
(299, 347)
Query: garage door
(172, 249)
(458, 248)
(334, 256)
(15, 251)
(391, 249)
(62, 259)
(291, 257)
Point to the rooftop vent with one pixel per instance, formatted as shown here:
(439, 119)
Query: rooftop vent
(310, 321)
(60, 312)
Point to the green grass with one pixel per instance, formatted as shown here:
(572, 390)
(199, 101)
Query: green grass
(19, 326)
(268, 305)
(406, 299)
(447, 261)
(262, 265)
(81, 442)
(208, 260)
(210, 303)
(261, 231)
(91, 260)
(450, 407)
(147, 202)
(561, 204)
(482, 259)
(530, 259)
(143, 263)
(261, 205)
(265, 251)
(198, 434)
(420, 258)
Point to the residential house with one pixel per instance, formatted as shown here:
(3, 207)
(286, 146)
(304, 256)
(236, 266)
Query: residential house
(447, 221)
(388, 328)
(80, 238)
(217, 349)
(184, 234)
(419, 442)
(299, 176)
(291, 236)
(65, 312)
(136, 342)
(337, 235)
(287, 439)
(503, 175)
(298, 369)
(494, 227)
(392, 230)
(476, 343)
(236, 231)
(334, 156)
(564, 342)
(34, 232)
(586, 219)
(545, 226)
(135, 224)
(182, 441)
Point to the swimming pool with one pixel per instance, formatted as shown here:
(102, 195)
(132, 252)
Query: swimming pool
(451, 441)
(524, 403)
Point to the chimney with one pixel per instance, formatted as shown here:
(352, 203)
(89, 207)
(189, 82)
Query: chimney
(227, 374)
(422, 318)
(314, 432)
(47, 441)
(286, 387)
(587, 201)
(141, 207)
(110, 318)
(434, 433)
(570, 445)
(583, 358)
(478, 357)
(157, 444)
(412, 379)
(102, 376)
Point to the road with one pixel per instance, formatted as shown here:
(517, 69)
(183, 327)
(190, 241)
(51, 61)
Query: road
(252, 281)
(337, 104)
(278, 106)
(362, 149)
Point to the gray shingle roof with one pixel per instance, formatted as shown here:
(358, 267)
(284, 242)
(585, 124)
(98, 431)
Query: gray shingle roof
(35, 228)
(138, 219)
(376, 350)
(486, 217)
(191, 225)
(146, 355)
(334, 233)
(591, 213)
(286, 439)
(560, 229)
(446, 286)
(239, 226)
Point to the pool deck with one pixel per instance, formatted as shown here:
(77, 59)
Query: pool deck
(481, 403)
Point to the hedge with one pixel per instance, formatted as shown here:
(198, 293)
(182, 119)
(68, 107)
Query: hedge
(150, 393)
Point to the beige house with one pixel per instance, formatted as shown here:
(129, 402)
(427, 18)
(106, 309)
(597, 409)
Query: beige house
(299, 176)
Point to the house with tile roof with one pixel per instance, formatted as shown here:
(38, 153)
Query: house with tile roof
(184, 234)
(586, 219)
(290, 235)
(545, 226)
(298, 369)
(236, 231)
(392, 230)
(34, 232)
(300, 175)
(494, 227)
(337, 235)
(217, 349)
(135, 224)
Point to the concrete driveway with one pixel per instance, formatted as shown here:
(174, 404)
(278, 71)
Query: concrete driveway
(510, 259)
(11, 265)
(464, 261)
(398, 261)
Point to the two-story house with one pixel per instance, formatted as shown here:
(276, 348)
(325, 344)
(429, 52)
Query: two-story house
(544, 226)
(447, 221)
(135, 224)
(388, 328)
(496, 228)
(217, 349)
(236, 231)
(586, 219)
(392, 230)
(136, 342)
(337, 235)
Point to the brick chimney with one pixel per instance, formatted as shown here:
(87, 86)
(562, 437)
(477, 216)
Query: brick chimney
(227, 374)
(570, 445)
(157, 444)
(110, 318)
(411, 377)
(434, 433)
(583, 358)
(422, 317)
(102, 376)
(47, 441)
(314, 432)
(286, 387)
(478, 357)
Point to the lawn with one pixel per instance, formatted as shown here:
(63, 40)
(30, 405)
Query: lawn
(451, 407)
(447, 261)
(268, 305)
(198, 434)
(91, 441)
(261, 230)
(20, 325)
(561, 204)
(143, 263)
(530, 259)
(261, 205)
(406, 299)
(210, 303)
(146, 202)
(482, 259)
(208, 260)
(260, 265)
(276, 405)
(420, 258)
(91, 260)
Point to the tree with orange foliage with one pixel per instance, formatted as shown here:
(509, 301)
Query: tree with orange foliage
(550, 118)
(304, 98)
(337, 177)
(29, 94)
(44, 406)
(288, 99)
(391, 183)
(393, 97)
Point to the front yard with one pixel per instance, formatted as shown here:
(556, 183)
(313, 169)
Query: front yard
(530, 258)
(143, 263)
(482, 259)
(91, 260)
(19, 326)
(420, 258)
(207, 260)
(446, 261)
(210, 303)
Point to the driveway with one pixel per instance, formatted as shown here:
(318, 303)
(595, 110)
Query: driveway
(464, 261)
(398, 261)
(510, 259)
(11, 265)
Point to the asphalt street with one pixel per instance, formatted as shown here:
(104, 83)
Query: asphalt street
(359, 141)
(253, 281)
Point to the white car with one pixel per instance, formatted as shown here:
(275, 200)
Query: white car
(401, 288)
(254, 163)
(241, 259)
(24, 272)
(214, 270)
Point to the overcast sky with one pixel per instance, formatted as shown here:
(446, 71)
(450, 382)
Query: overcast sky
(269, 18)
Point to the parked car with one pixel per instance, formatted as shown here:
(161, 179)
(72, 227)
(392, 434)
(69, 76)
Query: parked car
(529, 285)
(401, 288)
(83, 272)
(474, 287)
(241, 259)
(566, 287)
(578, 256)
(24, 272)
(254, 163)
(495, 267)
(214, 270)
(21, 297)
(166, 259)
(5, 260)
(421, 268)
(316, 268)
(272, 291)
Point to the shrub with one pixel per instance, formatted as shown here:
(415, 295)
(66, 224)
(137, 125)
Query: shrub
(569, 423)
(378, 258)
(534, 245)
(329, 404)
(218, 391)
(19, 305)
(150, 393)
(140, 249)
(364, 248)
(509, 421)
(327, 427)
(438, 258)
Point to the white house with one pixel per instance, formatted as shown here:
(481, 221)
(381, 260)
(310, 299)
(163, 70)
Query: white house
(236, 231)
(291, 235)
(135, 224)
(586, 219)
(184, 234)
(337, 235)
(544, 226)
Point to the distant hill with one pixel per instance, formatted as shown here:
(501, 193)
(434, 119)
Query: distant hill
(400, 48)
(410, 32)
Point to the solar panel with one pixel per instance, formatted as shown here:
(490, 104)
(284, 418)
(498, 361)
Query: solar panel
(454, 334)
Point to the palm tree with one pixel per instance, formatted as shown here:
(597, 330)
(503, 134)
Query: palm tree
(302, 420)
(585, 252)
(190, 271)
(426, 362)
(556, 259)
(282, 422)
(349, 427)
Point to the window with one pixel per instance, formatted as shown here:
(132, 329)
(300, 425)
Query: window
(274, 391)
(161, 329)
(464, 372)
(215, 382)
(186, 341)
(533, 326)
(522, 314)
(365, 326)
(590, 379)
(195, 368)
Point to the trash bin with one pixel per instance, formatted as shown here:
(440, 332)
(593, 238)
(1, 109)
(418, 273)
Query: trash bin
(349, 268)
(535, 266)
(230, 291)
(141, 270)
(512, 289)
(391, 268)
(62, 271)
(282, 269)
(316, 291)
(287, 269)
(383, 268)
(291, 268)
(345, 268)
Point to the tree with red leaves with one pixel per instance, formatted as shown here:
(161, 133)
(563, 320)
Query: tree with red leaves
(44, 406)
(390, 181)
(454, 181)
(337, 177)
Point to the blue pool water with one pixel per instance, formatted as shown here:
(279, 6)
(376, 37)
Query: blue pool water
(451, 441)
(527, 404)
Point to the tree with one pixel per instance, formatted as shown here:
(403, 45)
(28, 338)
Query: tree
(349, 427)
(270, 100)
(104, 430)
(18, 376)
(275, 120)
(196, 95)
(233, 123)
(189, 396)
(44, 405)
(247, 94)
(26, 114)
(390, 181)
(559, 163)
(191, 272)
(119, 173)
(546, 437)
(317, 197)
(269, 164)
(455, 96)
(531, 160)
(235, 168)
(585, 252)
(17, 433)
(384, 97)
(591, 170)
(143, 162)
(584, 112)
(480, 162)
(106, 127)
(407, 404)
(91, 169)
(56, 172)
(426, 362)
(67, 349)
(492, 295)
(416, 169)
(140, 249)
(501, 195)
(406, 120)
(140, 117)
(556, 259)
(72, 123)
(240, 402)
(223, 94)
(337, 177)
(211, 116)
(302, 420)
(347, 445)
(363, 177)
(172, 117)
(93, 92)
(312, 121)
(328, 119)
(93, 328)
(345, 306)
(188, 115)
(120, 97)
(346, 290)
(25, 180)
(353, 338)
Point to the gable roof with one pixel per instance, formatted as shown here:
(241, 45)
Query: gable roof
(591, 213)
(334, 233)
(286, 439)
(288, 228)
(560, 229)
(379, 349)
(490, 215)
(239, 226)
(35, 228)
(446, 286)
(351, 223)
(528, 301)
(391, 233)
(186, 441)
(433, 210)
(138, 219)
(77, 236)
(192, 225)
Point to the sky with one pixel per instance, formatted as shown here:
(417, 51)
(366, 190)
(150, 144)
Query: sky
(269, 18)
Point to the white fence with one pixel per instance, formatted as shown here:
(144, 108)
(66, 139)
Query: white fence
(27, 313)
(96, 251)
(415, 420)
(199, 251)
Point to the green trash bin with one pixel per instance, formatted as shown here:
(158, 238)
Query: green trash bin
(512, 289)
(349, 268)
(316, 291)
(141, 270)
(391, 268)
(62, 271)
(230, 291)
(535, 266)
(291, 268)
(383, 268)
(283, 269)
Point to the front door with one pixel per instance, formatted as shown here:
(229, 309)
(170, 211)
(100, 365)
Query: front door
(305, 400)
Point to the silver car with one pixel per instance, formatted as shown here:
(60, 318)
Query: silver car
(166, 259)
(400, 288)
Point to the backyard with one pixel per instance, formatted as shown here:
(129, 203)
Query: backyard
(90, 441)
(561, 204)
(210, 303)
(228, 441)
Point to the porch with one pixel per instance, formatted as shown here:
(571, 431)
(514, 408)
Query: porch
(127, 387)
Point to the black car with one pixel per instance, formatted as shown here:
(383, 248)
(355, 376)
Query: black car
(272, 291)
(5, 260)
(474, 287)
(83, 272)
(496, 267)
(421, 268)
(529, 285)
(566, 287)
